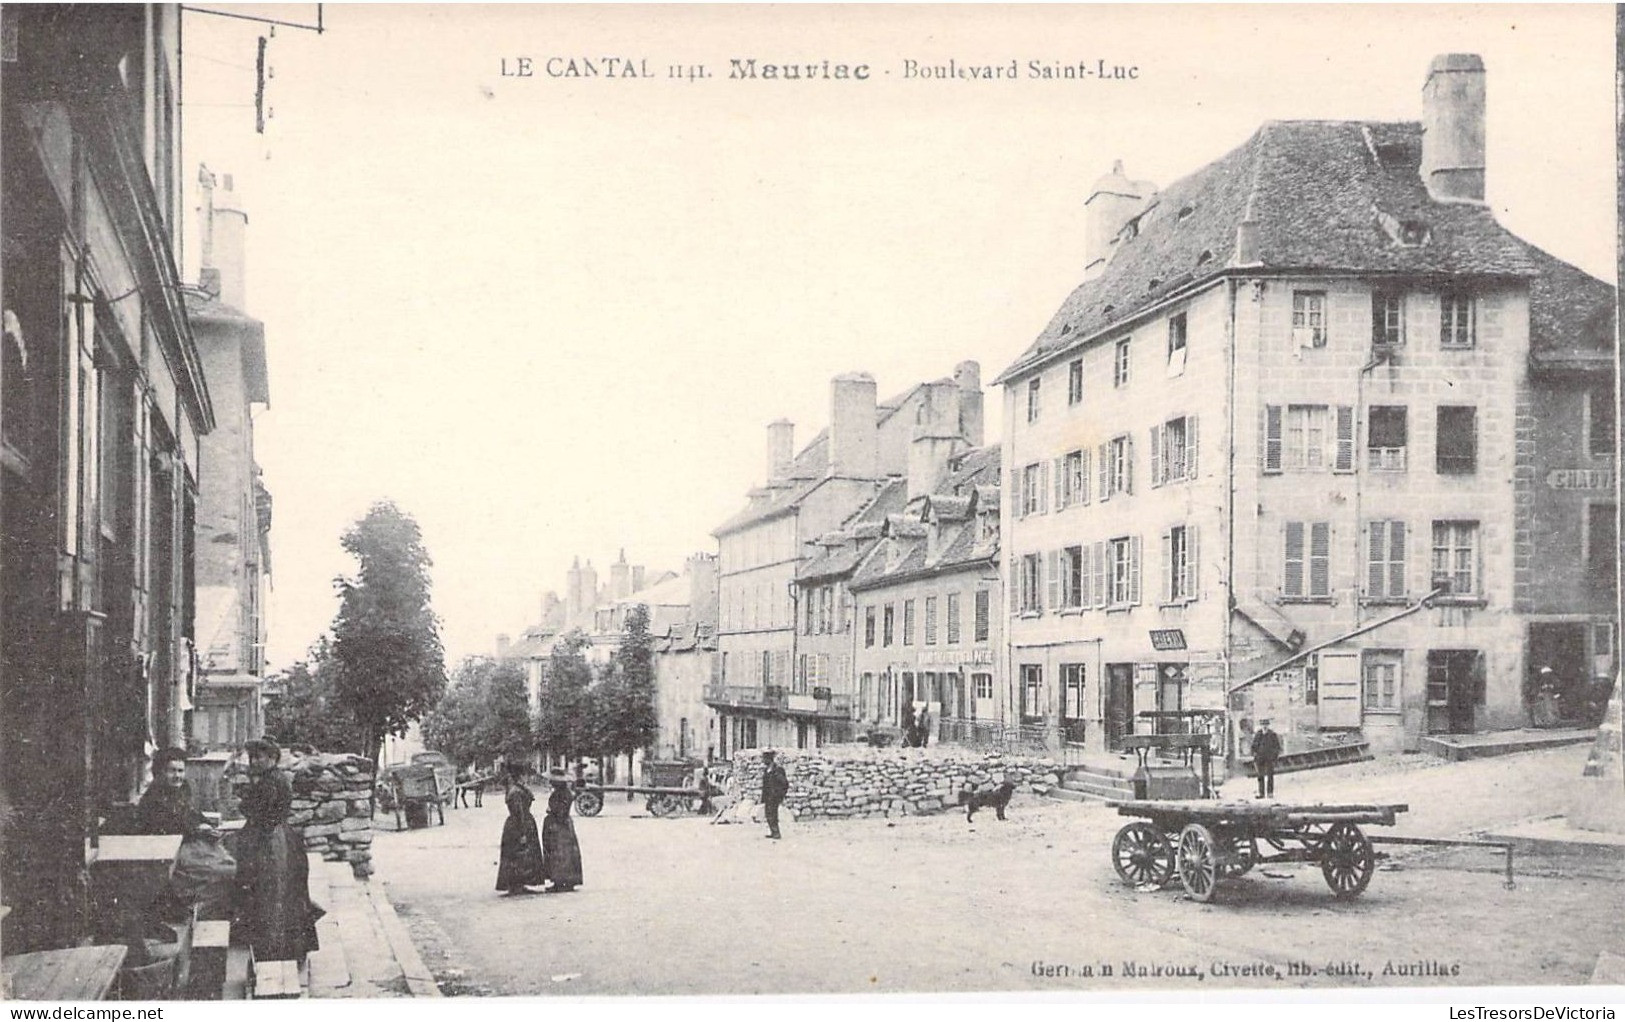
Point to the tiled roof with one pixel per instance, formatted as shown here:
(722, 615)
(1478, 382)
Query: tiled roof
(1316, 194)
(861, 531)
(1570, 311)
(978, 466)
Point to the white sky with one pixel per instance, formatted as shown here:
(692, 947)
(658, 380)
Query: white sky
(552, 318)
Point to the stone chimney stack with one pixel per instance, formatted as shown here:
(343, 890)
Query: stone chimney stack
(503, 645)
(702, 590)
(854, 437)
(589, 590)
(780, 449)
(224, 224)
(936, 437)
(573, 603)
(620, 578)
(968, 375)
(1453, 128)
(1113, 202)
(637, 578)
(550, 606)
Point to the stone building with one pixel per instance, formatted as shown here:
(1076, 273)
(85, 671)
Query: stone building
(103, 403)
(234, 508)
(1262, 458)
(809, 494)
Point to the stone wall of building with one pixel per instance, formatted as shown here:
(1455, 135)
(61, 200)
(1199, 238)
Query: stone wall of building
(332, 802)
(846, 781)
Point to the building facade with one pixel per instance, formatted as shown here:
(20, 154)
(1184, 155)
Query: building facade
(102, 405)
(1262, 459)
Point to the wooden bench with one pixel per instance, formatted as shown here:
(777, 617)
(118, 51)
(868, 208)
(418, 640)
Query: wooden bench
(239, 982)
(277, 981)
(211, 941)
(66, 974)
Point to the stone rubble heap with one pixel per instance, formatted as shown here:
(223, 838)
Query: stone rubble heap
(843, 783)
(332, 801)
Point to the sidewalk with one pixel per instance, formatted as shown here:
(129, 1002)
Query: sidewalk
(365, 949)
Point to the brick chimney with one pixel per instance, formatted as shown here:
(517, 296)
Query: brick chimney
(1453, 128)
(1113, 202)
(780, 449)
(854, 438)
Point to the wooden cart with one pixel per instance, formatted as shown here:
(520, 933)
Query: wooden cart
(671, 789)
(1203, 842)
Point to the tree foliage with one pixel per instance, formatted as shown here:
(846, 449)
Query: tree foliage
(483, 715)
(626, 695)
(386, 640)
(567, 722)
(305, 708)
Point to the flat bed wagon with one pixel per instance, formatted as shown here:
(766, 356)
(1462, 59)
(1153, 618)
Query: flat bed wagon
(1202, 842)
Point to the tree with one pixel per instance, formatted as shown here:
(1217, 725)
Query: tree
(483, 715)
(627, 693)
(386, 639)
(305, 708)
(565, 722)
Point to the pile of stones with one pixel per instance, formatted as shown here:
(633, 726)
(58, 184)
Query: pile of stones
(332, 802)
(860, 782)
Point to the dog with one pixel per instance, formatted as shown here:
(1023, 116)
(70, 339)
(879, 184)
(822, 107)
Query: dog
(996, 800)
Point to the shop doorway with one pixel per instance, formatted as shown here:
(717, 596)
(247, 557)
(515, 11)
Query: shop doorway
(1119, 704)
(1455, 689)
(1562, 647)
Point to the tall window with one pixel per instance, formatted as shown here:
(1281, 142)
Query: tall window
(1386, 438)
(1309, 319)
(1602, 427)
(1385, 560)
(1074, 382)
(1032, 693)
(1387, 319)
(1308, 438)
(1179, 564)
(1602, 546)
(1308, 561)
(1072, 577)
(888, 622)
(1457, 440)
(1032, 489)
(1116, 466)
(1456, 326)
(1072, 702)
(984, 686)
(1032, 398)
(1455, 557)
(1382, 679)
(1074, 479)
(1173, 451)
(953, 618)
(1032, 584)
(930, 620)
(868, 626)
(908, 622)
(1120, 364)
(810, 598)
(1176, 344)
(1123, 571)
(982, 614)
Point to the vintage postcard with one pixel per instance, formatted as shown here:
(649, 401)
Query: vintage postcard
(521, 501)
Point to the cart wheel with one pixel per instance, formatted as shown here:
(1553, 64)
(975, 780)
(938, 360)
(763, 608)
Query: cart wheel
(1198, 862)
(662, 805)
(1241, 855)
(1346, 860)
(589, 803)
(1142, 855)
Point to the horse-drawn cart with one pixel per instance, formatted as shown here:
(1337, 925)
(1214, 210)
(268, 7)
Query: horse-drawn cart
(671, 788)
(419, 788)
(1203, 842)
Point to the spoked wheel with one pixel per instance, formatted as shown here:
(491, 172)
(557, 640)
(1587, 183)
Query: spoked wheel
(1198, 862)
(1142, 855)
(1346, 860)
(1241, 855)
(589, 803)
(663, 805)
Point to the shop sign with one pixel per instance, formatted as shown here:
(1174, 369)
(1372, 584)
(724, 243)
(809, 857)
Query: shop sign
(1166, 639)
(1580, 479)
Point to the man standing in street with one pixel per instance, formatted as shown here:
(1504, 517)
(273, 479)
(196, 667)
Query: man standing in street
(1266, 750)
(775, 785)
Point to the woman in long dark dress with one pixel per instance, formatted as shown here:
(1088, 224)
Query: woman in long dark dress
(274, 913)
(561, 853)
(521, 863)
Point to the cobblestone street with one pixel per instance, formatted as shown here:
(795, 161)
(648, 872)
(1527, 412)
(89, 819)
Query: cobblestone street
(679, 906)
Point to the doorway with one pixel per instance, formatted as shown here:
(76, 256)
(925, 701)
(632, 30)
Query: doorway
(1455, 689)
(1119, 704)
(1562, 647)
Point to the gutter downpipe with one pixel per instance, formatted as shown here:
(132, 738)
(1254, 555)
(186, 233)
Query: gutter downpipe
(1317, 647)
(1227, 627)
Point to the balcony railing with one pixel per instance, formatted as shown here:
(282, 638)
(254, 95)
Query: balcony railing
(777, 697)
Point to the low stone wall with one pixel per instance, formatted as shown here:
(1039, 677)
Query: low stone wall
(841, 782)
(332, 802)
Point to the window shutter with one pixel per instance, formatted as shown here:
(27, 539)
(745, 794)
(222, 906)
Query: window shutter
(1169, 582)
(1134, 570)
(1345, 440)
(1086, 578)
(1193, 554)
(1060, 483)
(1396, 559)
(1320, 554)
(1128, 464)
(1292, 580)
(1157, 458)
(1052, 590)
(1105, 454)
(1376, 558)
(1082, 496)
(1043, 487)
(1100, 574)
(1272, 438)
(1190, 447)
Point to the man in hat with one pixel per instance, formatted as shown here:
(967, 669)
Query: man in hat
(1266, 750)
(775, 785)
